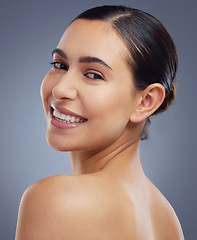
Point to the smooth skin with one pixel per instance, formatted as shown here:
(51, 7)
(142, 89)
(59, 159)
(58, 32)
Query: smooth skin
(108, 196)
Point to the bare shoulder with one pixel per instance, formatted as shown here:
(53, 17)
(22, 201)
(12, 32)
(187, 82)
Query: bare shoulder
(165, 220)
(39, 209)
(71, 207)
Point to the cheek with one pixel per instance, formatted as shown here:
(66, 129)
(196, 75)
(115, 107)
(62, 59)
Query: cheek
(46, 90)
(110, 102)
(110, 111)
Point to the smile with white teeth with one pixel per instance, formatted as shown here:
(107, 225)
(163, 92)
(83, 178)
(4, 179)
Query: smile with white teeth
(66, 118)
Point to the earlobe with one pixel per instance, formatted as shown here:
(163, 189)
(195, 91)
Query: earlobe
(149, 101)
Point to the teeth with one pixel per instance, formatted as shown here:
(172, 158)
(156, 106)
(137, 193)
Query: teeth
(57, 114)
(77, 120)
(63, 116)
(72, 119)
(66, 118)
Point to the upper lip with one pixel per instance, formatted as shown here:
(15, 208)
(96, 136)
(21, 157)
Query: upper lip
(66, 111)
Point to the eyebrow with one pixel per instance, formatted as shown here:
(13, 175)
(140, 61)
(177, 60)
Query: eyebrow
(86, 59)
(59, 52)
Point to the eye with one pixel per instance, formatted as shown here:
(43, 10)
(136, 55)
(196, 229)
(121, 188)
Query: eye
(59, 65)
(95, 76)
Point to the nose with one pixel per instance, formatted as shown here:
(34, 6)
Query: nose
(65, 88)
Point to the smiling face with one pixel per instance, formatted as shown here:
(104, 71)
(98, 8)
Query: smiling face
(90, 87)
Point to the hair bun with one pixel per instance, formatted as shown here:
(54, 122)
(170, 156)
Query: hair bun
(170, 95)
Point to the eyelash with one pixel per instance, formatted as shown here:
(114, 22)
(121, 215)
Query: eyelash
(60, 65)
(96, 76)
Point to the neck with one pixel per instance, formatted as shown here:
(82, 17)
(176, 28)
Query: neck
(117, 158)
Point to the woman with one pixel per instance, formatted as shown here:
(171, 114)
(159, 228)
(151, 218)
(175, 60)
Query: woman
(113, 68)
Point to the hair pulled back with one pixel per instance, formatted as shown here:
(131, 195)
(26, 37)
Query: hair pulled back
(153, 56)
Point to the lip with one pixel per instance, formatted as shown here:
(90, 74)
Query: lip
(66, 111)
(63, 125)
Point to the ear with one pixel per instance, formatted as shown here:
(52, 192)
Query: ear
(148, 102)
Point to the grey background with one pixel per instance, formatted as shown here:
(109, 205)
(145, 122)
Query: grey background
(29, 31)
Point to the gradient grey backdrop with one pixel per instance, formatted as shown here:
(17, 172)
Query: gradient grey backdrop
(29, 31)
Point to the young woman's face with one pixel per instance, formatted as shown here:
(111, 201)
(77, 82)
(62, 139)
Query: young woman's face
(89, 88)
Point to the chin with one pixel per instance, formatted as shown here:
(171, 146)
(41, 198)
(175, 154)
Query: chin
(56, 145)
(61, 146)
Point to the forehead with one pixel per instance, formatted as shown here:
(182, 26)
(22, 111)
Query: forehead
(93, 38)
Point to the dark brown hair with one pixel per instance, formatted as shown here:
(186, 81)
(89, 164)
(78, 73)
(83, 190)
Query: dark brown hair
(153, 56)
